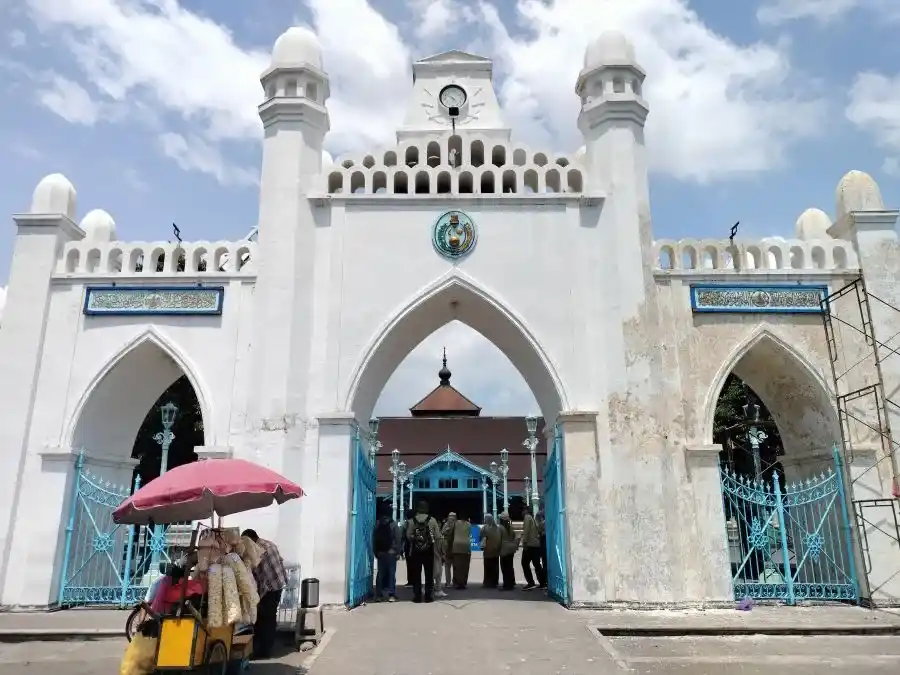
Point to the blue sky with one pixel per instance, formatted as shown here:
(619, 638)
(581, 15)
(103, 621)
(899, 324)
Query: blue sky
(757, 109)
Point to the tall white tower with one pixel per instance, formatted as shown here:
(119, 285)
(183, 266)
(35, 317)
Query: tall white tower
(613, 113)
(295, 122)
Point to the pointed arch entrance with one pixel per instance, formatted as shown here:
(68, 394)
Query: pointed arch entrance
(452, 299)
(118, 435)
(786, 513)
(455, 299)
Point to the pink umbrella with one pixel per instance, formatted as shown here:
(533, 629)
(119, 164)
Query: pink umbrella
(195, 491)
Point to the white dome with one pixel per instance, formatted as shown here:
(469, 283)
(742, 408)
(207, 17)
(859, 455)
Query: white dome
(54, 194)
(98, 225)
(2, 302)
(812, 224)
(611, 48)
(296, 46)
(857, 191)
(327, 159)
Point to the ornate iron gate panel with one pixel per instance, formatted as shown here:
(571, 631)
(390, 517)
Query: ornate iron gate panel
(105, 563)
(792, 543)
(555, 514)
(361, 562)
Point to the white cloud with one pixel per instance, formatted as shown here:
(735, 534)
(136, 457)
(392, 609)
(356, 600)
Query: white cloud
(193, 153)
(822, 11)
(875, 109)
(17, 39)
(783, 11)
(2, 303)
(437, 18)
(162, 53)
(717, 108)
(69, 100)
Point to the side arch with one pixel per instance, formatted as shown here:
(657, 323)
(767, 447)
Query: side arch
(791, 386)
(113, 406)
(458, 298)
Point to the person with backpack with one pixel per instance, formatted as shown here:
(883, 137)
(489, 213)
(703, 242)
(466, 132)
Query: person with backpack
(423, 535)
(386, 547)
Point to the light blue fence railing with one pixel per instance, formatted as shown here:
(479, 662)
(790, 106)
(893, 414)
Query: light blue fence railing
(105, 564)
(790, 543)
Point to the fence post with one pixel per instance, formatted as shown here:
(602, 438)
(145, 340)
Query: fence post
(126, 572)
(845, 518)
(785, 554)
(70, 526)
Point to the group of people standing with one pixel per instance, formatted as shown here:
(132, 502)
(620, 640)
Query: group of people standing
(442, 553)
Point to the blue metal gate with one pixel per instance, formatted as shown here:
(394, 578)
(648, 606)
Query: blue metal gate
(361, 559)
(105, 563)
(555, 514)
(790, 543)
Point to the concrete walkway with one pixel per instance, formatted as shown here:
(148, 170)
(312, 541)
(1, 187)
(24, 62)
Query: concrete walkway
(524, 636)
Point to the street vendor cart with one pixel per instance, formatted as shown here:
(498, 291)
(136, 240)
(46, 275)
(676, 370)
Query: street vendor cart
(202, 611)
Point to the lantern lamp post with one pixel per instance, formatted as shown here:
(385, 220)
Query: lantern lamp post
(504, 472)
(402, 474)
(395, 470)
(531, 443)
(494, 477)
(527, 490)
(168, 413)
(755, 435)
(374, 443)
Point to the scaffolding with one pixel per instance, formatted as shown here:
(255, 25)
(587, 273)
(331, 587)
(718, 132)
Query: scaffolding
(857, 358)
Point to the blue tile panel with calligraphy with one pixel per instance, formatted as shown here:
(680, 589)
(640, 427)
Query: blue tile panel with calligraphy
(784, 299)
(153, 300)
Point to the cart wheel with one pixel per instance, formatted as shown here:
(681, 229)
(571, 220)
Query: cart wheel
(133, 622)
(217, 658)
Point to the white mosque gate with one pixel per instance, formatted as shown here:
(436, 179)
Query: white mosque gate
(549, 255)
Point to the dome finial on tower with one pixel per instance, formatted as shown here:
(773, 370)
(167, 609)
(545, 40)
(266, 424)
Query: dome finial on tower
(444, 373)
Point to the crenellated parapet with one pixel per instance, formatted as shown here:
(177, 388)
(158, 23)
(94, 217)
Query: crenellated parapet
(89, 258)
(772, 254)
(455, 165)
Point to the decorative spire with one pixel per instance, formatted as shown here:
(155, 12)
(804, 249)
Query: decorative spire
(444, 373)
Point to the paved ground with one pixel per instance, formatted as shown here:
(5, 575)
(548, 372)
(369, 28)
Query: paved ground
(757, 655)
(501, 633)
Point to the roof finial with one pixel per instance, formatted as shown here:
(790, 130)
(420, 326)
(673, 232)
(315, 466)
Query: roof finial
(444, 373)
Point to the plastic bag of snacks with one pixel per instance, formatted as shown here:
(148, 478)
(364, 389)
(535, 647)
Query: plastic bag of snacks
(232, 599)
(215, 613)
(246, 585)
(140, 656)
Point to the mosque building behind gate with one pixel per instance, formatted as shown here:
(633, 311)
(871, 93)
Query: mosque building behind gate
(449, 448)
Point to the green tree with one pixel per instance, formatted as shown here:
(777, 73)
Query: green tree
(731, 427)
(188, 430)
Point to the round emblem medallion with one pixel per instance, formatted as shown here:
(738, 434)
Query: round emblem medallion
(454, 234)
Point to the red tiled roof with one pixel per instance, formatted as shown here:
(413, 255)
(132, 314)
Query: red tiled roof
(445, 401)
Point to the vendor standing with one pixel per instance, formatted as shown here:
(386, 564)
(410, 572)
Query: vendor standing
(271, 578)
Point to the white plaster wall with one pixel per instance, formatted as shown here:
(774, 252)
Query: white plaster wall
(385, 261)
(127, 363)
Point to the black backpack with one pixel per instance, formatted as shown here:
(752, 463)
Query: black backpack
(422, 539)
(383, 538)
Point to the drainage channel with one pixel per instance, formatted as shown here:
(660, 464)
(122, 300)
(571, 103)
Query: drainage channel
(699, 631)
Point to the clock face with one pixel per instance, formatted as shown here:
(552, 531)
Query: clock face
(453, 96)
